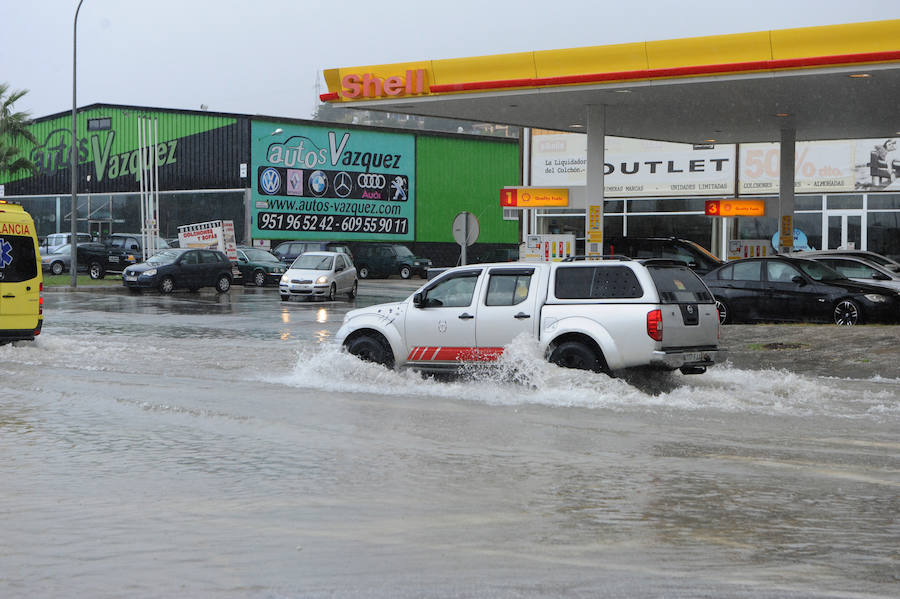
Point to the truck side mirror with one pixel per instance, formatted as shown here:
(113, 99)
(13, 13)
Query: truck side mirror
(419, 300)
(798, 280)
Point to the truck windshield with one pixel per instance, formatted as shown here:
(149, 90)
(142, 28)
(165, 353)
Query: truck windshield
(677, 285)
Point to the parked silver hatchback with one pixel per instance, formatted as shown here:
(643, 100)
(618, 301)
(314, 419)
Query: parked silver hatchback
(322, 275)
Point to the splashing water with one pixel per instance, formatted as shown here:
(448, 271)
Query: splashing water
(522, 376)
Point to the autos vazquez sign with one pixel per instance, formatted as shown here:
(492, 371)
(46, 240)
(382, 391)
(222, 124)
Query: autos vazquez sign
(316, 182)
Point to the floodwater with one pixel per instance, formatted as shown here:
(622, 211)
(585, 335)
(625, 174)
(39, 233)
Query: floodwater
(221, 446)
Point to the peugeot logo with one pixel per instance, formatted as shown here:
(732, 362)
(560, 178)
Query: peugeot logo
(398, 184)
(270, 181)
(343, 184)
(370, 181)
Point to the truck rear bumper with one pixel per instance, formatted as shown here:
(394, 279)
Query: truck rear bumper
(672, 360)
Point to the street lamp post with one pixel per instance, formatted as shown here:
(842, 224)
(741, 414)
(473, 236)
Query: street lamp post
(74, 150)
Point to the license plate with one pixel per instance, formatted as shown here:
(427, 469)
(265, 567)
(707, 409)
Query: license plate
(694, 356)
(113, 258)
(131, 278)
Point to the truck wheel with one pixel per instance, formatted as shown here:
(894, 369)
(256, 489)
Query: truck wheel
(577, 355)
(167, 285)
(363, 272)
(223, 284)
(371, 348)
(96, 270)
(259, 278)
(353, 290)
(405, 272)
(57, 268)
(332, 292)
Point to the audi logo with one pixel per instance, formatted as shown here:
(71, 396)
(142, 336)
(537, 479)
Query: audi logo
(370, 181)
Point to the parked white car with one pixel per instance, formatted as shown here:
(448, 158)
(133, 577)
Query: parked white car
(604, 316)
(319, 275)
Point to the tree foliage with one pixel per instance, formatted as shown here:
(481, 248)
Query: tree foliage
(13, 125)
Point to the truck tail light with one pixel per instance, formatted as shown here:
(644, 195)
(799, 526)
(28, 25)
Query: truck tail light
(655, 325)
(41, 298)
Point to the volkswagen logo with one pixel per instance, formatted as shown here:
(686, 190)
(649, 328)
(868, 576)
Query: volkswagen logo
(270, 181)
(370, 181)
(318, 183)
(343, 184)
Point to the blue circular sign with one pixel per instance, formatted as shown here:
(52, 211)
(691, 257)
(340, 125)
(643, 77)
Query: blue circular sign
(318, 183)
(270, 181)
(801, 242)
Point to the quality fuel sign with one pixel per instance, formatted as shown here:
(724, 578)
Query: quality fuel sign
(318, 182)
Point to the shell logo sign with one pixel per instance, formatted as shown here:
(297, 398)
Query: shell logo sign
(369, 86)
(735, 207)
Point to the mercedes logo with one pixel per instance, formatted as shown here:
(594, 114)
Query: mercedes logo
(343, 184)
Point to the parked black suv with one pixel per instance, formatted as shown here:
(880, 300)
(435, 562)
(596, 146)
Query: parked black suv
(690, 253)
(288, 251)
(386, 259)
(120, 250)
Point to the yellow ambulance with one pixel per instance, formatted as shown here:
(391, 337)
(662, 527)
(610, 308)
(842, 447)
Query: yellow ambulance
(21, 283)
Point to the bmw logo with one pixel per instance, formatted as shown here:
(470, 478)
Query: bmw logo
(318, 183)
(270, 181)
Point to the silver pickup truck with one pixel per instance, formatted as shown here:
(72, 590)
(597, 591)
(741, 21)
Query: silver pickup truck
(603, 315)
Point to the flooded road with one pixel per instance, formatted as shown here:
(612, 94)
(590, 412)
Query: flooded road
(198, 445)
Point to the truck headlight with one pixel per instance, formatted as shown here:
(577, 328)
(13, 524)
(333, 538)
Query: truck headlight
(149, 273)
(322, 280)
(875, 298)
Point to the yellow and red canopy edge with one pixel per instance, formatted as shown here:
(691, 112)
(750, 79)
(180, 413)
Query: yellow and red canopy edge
(777, 50)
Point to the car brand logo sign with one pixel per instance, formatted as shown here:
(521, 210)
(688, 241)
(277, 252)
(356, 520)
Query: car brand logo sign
(690, 309)
(270, 181)
(398, 185)
(370, 181)
(318, 183)
(294, 182)
(343, 184)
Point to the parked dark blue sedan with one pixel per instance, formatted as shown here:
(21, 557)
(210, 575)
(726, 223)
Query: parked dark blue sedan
(782, 289)
(177, 268)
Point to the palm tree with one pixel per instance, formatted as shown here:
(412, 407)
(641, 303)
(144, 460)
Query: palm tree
(12, 126)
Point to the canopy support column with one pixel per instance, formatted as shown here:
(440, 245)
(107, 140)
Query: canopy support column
(593, 218)
(786, 191)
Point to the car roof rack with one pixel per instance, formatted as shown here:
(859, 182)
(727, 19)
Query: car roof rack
(603, 257)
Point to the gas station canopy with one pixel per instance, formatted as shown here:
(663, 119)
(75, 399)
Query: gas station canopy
(831, 82)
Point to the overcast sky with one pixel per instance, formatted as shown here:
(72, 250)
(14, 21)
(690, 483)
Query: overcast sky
(266, 56)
